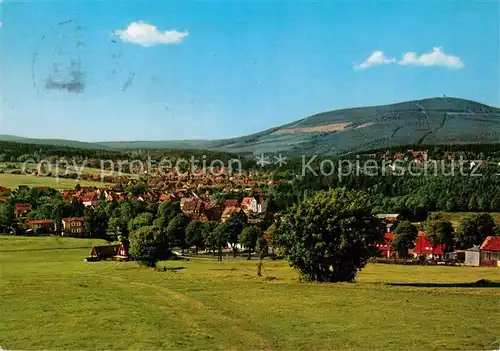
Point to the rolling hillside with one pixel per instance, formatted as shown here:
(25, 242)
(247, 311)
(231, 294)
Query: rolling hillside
(430, 121)
(435, 121)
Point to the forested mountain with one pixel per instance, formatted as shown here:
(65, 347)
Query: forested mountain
(435, 121)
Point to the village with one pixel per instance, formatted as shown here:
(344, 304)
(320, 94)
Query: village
(215, 199)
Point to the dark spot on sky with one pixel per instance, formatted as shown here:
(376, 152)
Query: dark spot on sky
(72, 82)
(71, 87)
(64, 22)
(129, 81)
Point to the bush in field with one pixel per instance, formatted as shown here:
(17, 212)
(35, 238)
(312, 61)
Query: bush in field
(329, 237)
(148, 245)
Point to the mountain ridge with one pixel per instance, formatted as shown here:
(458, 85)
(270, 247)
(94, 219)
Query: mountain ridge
(442, 120)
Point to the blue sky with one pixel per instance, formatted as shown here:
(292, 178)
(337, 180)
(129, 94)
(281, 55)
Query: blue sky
(158, 70)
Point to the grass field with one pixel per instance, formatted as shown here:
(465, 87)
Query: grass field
(51, 299)
(10, 166)
(14, 180)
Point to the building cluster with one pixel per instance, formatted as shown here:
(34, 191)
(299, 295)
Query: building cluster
(193, 204)
(200, 207)
(487, 254)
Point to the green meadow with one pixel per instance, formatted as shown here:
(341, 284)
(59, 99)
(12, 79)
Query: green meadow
(456, 217)
(14, 180)
(52, 299)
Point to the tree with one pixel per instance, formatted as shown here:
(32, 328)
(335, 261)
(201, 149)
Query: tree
(329, 236)
(234, 226)
(194, 236)
(473, 205)
(120, 218)
(74, 209)
(219, 238)
(96, 221)
(6, 214)
(404, 238)
(207, 229)
(142, 220)
(166, 212)
(176, 231)
(474, 229)
(440, 231)
(262, 247)
(148, 245)
(248, 238)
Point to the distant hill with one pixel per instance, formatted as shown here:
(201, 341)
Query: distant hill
(56, 142)
(161, 144)
(435, 121)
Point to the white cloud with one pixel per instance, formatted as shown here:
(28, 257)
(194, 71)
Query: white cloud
(435, 58)
(377, 58)
(145, 34)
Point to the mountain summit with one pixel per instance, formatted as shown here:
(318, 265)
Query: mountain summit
(428, 121)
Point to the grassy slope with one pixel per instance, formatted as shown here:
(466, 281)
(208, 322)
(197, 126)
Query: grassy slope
(51, 299)
(456, 217)
(14, 180)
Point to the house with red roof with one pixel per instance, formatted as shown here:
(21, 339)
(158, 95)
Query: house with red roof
(424, 247)
(249, 204)
(21, 209)
(67, 195)
(229, 211)
(45, 225)
(231, 203)
(490, 252)
(164, 198)
(385, 247)
(192, 207)
(89, 200)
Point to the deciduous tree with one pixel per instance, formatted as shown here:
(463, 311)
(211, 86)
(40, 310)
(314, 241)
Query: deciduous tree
(404, 238)
(329, 236)
(148, 245)
(176, 230)
(248, 238)
(194, 235)
(474, 229)
(440, 231)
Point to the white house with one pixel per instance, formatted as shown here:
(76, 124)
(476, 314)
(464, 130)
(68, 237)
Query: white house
(472, 256)
(249, 204)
